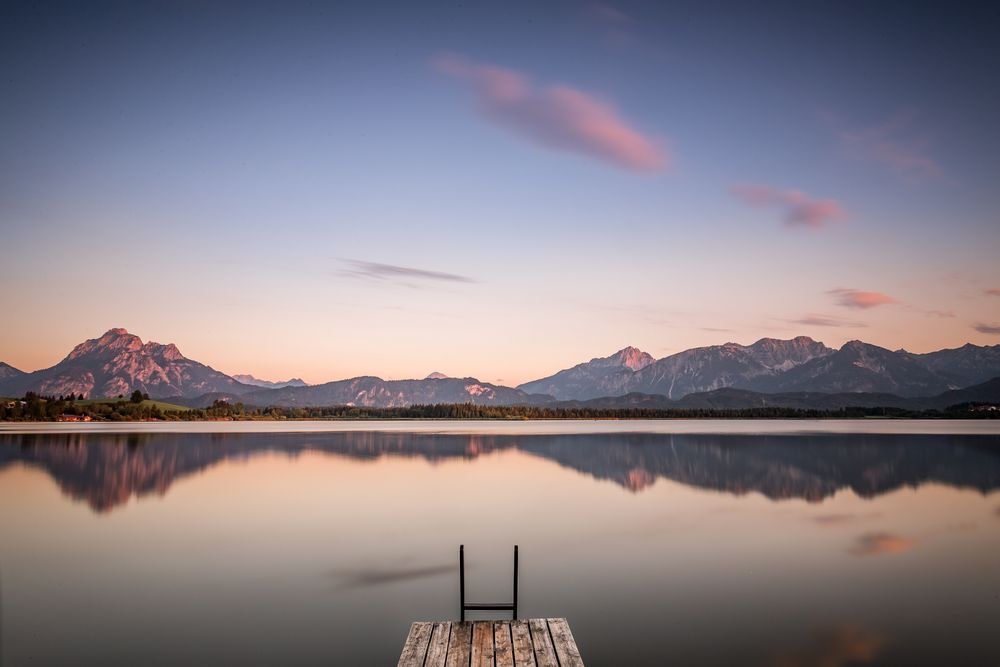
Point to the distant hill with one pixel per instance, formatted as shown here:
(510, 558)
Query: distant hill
(378, 393)
(985, 392)
(119, 363)
(268, 384)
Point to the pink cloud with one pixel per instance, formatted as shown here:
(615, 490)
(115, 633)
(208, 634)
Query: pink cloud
(991, 329)
(855, 298)
(993, 292)
(883, 144)
(797, 207)
(557, 117)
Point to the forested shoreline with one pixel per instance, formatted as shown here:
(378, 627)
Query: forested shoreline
(35, 408)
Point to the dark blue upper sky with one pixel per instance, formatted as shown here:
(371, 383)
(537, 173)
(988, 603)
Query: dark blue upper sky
(495, 188)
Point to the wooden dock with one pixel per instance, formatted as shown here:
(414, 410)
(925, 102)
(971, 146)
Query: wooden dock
(535, 642)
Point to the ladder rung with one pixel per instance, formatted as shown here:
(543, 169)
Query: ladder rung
(482, 606)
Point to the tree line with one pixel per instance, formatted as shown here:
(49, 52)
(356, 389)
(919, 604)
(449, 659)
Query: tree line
(34, 407)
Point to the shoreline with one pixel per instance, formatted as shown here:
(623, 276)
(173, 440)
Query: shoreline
(680, 426)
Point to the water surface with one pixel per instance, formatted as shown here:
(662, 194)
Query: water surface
(774, 549)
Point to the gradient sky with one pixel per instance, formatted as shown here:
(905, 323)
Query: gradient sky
(325, 190)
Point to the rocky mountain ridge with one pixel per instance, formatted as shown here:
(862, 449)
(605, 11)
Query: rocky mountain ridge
(119, 363)
(8, 371)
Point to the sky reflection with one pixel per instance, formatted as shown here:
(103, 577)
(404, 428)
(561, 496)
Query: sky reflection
(322, 548)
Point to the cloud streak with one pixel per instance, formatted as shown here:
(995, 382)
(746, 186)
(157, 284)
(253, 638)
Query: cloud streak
(992, 292)
(797, 208)
(860, 299)
(991, 329)
(378, 271)
(943, 314)
(816, 320)
(556, 117)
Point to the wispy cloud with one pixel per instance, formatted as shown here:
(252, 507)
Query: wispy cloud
(992, 329)
(944, 314)
(373, 576)
(860, 299)
(609, 13)
(557, 117)
(887, 145)
(816, 320)
(993, 292)
(879, 544)
(797, 208)
(617, 27)
(386, 272)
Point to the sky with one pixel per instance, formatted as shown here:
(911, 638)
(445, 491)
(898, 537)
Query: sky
(498, 190)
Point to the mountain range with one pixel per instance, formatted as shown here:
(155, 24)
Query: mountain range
(799, 372)
(772, 365)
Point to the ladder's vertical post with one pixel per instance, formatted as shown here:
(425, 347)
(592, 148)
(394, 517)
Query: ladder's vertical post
(515, 583)
(461, 578)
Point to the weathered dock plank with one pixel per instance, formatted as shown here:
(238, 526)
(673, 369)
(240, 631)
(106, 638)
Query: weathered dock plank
(503, 651)
(524, 652)
(535, 642)
(482, 644)
(545, 653)
(564, 644)
(415, 648)
(437, 650)
(459, 646)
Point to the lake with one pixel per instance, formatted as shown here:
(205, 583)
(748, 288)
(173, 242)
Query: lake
(778, 544)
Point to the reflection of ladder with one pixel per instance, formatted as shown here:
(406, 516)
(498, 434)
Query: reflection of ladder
(484, 606)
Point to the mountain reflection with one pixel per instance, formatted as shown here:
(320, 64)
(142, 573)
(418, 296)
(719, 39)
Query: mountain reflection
(106, 470)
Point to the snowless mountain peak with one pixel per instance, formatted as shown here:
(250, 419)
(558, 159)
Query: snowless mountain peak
(633, 357)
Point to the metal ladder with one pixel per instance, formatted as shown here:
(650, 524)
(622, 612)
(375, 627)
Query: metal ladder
(484, 606)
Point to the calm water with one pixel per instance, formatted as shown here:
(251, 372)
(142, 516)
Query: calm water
(777, 549)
